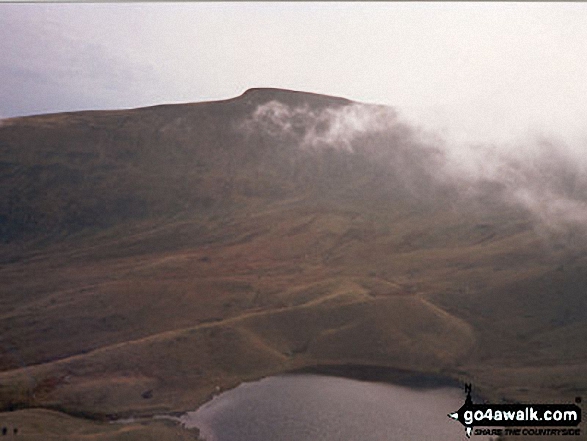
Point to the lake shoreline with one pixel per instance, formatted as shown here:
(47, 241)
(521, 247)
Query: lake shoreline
(319, 401)
(416, 380)
(382, 374)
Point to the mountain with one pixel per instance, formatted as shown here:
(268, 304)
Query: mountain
(151, 256)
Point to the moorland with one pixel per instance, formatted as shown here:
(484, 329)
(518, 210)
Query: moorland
(152, 257)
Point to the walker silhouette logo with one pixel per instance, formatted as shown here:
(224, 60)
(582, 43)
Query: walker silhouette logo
(516, 418)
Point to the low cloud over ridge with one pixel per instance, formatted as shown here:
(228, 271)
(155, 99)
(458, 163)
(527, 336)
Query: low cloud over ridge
(544, 177)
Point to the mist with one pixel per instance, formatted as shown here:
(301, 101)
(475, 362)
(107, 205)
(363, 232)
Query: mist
(336, 128)
(545, 177)
(474, 72)
(495, 89)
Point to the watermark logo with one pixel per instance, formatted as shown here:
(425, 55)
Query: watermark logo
(516, 418)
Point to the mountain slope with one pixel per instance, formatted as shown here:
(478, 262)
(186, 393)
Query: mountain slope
(174, 249)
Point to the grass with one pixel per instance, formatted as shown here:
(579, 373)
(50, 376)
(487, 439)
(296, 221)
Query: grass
(155, 256)
(182, 323)
(35, 424)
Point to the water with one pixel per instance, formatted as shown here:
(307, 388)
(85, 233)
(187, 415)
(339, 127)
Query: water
(305, 407)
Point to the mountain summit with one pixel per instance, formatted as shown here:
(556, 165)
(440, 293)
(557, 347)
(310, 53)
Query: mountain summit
(291, 97)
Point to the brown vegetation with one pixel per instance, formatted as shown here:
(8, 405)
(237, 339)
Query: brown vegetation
(153, 255)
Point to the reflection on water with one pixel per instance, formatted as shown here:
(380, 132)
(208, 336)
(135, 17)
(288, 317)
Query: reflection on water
(324, 408)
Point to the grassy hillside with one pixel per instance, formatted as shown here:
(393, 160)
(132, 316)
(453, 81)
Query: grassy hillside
(151, 257)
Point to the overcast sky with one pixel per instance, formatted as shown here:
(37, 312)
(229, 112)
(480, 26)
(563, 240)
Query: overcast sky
(477, 71)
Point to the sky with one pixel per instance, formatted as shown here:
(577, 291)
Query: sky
(473, 72)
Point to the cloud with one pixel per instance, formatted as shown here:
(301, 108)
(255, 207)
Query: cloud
(324, 127)
(545, 177)
(485, 71)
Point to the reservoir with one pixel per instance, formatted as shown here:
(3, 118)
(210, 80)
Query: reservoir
(309, 407)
